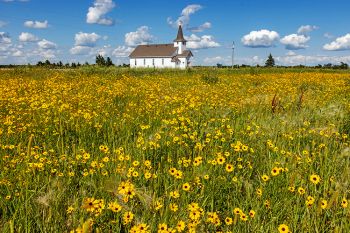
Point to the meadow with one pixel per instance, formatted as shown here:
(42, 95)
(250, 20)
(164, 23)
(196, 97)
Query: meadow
(201, 150)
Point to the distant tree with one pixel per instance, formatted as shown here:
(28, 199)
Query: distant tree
(86, 63)
(218, 65)
(343, 66)
(47, 63)
(60, 64)
(328, 66)
(73, 65)
(100, 60)
(270, 62)
(109, 62)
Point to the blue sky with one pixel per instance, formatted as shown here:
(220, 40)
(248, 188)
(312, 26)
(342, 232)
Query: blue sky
(295, 32)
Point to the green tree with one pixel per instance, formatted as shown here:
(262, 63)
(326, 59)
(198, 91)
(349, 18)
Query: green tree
(100, 60)
(109, 62)
(270, 62)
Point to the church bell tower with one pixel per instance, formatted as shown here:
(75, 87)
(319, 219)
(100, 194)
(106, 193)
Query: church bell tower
(180, 41)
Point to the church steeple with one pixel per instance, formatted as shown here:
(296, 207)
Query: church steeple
(180, 41)
(180, 35)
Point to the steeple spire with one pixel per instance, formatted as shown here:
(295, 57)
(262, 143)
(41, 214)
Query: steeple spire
(180, 35)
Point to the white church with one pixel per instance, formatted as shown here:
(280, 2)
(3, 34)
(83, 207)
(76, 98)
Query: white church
(162, 55)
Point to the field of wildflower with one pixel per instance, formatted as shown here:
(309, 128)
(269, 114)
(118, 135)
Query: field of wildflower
(119, 150)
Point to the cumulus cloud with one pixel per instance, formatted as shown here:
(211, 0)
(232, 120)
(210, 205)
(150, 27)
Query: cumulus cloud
(140, 36)
(297, 59)
(260, 39)
(341, 43)
(304, 29)
(290, 53)
(86, 39)
(36, 24)
(200, 28)
(27, 37)
(97, 13)
(122, 51)
(213, 60)
(80, 50)
(203, 42)
(295, 42)
(46, 45)
(5, 38)
(84, 43)
(17, 53)
(184, 18)
(2, 23)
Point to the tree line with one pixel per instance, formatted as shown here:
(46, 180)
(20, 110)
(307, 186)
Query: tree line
(100, 61)
(270, 62)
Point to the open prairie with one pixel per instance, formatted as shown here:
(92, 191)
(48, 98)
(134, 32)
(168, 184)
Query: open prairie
(119, 150)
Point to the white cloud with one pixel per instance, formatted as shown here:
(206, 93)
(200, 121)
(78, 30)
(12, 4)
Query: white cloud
(86, 39)
(104, 51)
(200, 28)
(122, 51)
(80, 50)
(260, 39)
(341, 43)
(36, 24)
(46, 45)
(203, 42)
(96, 14)
(310, 60)
(46, 53)
(2, 23)
(27, 37)
(290, 53)
(5, 38)
(328, 35)
(213, 60)
(84, 43)
(17, 53)
(140, 36)
(294, 41)
(184, 18)
(304, 29)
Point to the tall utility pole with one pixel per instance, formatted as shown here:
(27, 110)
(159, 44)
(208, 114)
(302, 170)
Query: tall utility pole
(233, 53)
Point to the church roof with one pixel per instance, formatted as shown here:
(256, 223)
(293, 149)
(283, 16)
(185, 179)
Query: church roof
(180, 35)
(154, 50)
(186, 53)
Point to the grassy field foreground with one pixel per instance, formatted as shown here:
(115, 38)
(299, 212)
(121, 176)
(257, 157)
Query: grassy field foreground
(174, 151)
